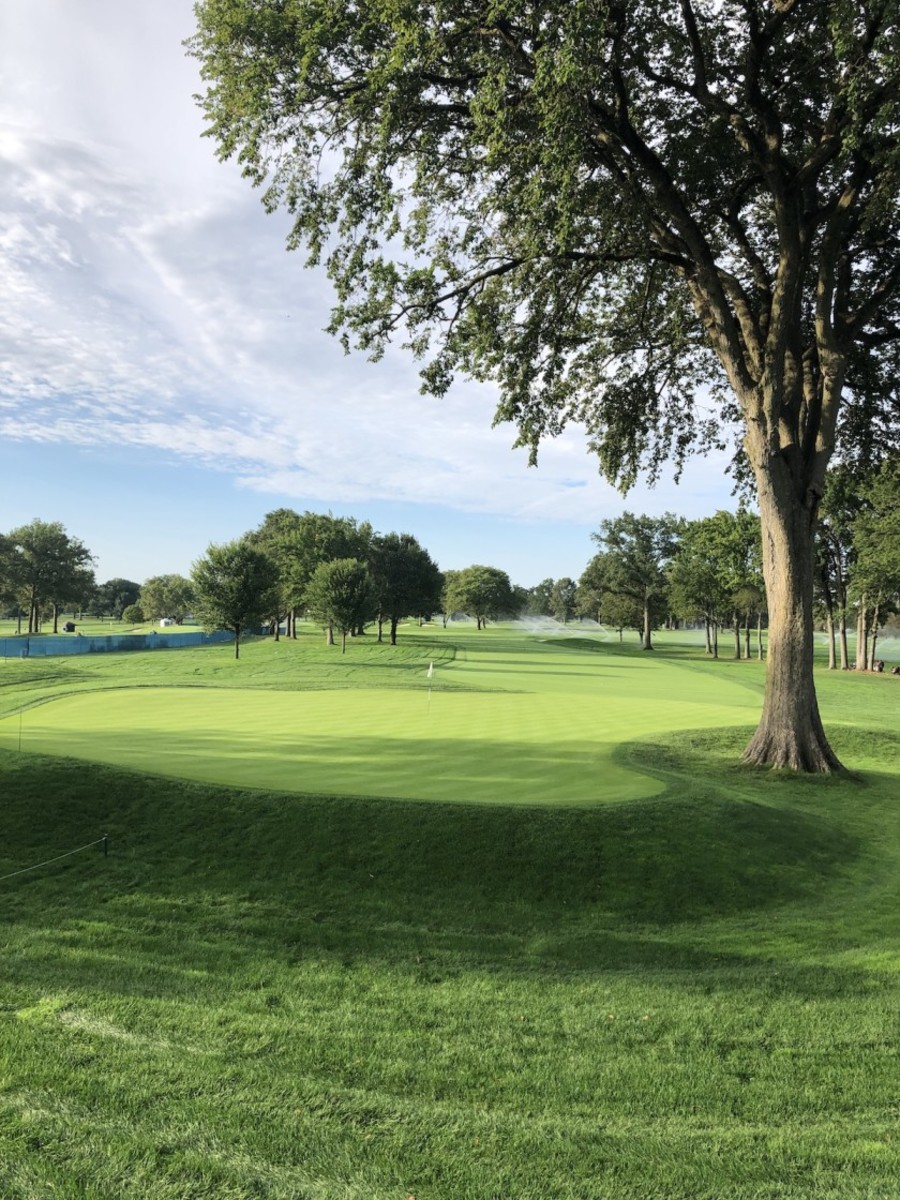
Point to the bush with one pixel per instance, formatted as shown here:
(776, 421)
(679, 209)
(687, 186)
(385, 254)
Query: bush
(133, 614)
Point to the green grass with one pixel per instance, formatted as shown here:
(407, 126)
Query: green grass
(510, 723)
(686, 994)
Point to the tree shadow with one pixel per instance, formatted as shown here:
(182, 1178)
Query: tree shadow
(202, 878)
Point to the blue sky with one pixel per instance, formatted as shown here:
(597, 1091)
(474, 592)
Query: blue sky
(164, 377)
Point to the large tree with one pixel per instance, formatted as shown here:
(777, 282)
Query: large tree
(405, 579)
(636, 552)
(604, 207)
(299, 542)
(110, 599)
(340, 596)
(235, 587)
(485, 593)
(166, 596)
(51, 569)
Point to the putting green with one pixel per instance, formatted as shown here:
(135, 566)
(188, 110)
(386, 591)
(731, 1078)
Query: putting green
(555, 746)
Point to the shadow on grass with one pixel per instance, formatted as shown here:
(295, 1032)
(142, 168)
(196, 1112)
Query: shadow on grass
(202, 878)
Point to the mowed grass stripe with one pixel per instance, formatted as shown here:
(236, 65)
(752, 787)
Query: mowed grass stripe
(484, 747)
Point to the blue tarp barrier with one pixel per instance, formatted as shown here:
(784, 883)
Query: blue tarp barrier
(48, 645)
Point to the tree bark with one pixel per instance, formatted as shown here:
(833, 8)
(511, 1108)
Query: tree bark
(646, 639)
(842, 639)
(790, 733)
(237, 641)
(862, 635)
(832, 649)
(394, 623)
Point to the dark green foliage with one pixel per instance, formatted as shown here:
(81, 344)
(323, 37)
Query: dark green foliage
(235, 586)
(167, 596)
(636, 552)
(484, 593)
(405, 580)
(110, 599)
(340, 596)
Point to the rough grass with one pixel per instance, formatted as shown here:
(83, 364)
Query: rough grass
(261, 994)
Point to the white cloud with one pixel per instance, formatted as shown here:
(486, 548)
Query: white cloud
(149, 301)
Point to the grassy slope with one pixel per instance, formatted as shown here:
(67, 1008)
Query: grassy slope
(262, 995)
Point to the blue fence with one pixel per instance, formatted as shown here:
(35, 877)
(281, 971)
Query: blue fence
(48, 645)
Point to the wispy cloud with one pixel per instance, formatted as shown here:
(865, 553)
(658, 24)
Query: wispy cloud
(149, 301)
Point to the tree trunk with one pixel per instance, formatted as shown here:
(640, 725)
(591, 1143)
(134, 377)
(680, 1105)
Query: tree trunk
(862, 635)
(394, 623)
(876, 617)
(329, 634)
(715, 639)
(747, 636)
(56, 618)
(708, 624)
(759, 638)
(832, 648)
(790, 733)
(647, 643)
(842, 641)
(380, 623)
(237, 641)
(343, 641)
(736, 627)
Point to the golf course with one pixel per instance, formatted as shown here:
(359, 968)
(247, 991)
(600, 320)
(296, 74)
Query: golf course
(485, 915)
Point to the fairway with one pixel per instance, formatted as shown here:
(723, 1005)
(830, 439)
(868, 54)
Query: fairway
(551, 741)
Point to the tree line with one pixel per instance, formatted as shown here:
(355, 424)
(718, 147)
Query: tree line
(648, 572)
(655, 571)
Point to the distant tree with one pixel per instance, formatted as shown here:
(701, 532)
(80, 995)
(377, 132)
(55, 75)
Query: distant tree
(637, 552)
(731, 541)
(405, 580)
(876, 537)
(485, 593)
(10, 574)
(836, 556)
(563, 599)
(110, 599)
(340, 596)
(621, 612)
(133, 614)
(234, 588)
(590, 588)
(51, 569)
(167, 596)
(299, 542)
(539, 603)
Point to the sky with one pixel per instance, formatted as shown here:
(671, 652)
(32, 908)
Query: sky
(165, 377)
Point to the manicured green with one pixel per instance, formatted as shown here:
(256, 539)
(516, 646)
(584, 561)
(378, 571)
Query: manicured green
(547, 731)
(689, 995)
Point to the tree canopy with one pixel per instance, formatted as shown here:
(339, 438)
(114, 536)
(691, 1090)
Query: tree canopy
(340, 595)
(234, 588)
(48, 567)
(485, 593)
(652, 219)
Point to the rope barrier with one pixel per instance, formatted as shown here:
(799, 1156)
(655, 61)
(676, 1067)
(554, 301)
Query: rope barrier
(46, 863)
